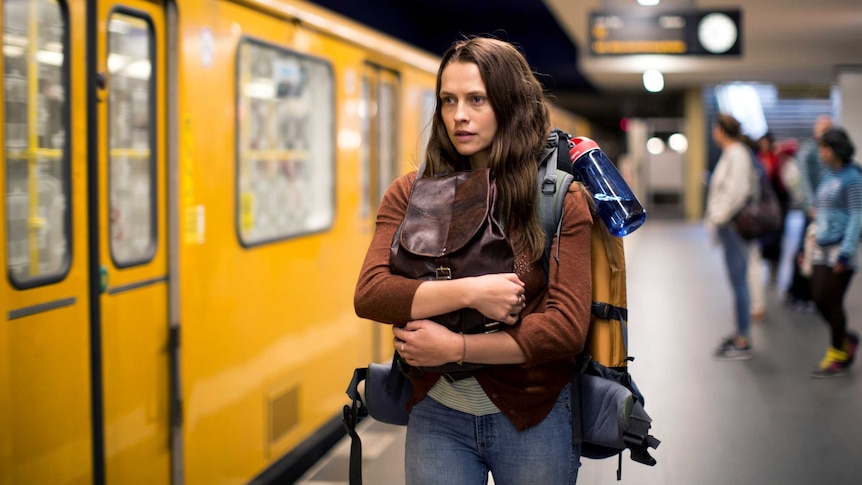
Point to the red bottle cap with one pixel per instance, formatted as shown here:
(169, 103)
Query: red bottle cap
(581, 145)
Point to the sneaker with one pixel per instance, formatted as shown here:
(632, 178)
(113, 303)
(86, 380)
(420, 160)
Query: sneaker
(728, 350)
(834, 364)
(833, 369)
(850, 346)
(804, 306)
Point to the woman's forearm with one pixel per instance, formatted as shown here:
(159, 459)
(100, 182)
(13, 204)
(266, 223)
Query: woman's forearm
(439, 297)
(493, 348)
(427, 343)
(498, 296)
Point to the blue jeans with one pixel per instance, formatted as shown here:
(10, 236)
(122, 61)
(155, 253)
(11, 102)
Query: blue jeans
(446, 447)
(736, 258)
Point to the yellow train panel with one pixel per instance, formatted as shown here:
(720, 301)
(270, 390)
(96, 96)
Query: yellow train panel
(44, 329)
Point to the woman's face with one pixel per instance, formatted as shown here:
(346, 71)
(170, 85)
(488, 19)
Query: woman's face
(827, 154)
(468, 116)
(716, 132)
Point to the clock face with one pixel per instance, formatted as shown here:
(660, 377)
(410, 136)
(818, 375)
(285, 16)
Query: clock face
(716, 33)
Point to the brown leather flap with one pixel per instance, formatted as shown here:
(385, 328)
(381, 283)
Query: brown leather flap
(444, 213)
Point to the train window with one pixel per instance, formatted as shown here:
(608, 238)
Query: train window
(387, 136)
(379, 114)
(285, 143)
(426, 116)
(365, 105)
(36, 117)
(131, 140)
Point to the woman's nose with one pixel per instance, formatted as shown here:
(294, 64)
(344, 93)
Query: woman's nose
(460, 112)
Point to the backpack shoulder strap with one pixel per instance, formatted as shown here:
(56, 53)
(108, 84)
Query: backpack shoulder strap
(552, 183)
(553, 191)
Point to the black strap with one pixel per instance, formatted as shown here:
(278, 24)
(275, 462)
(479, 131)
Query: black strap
(564, 161)
(606, 311)
(577, 416)
(353, 413)
(355, 444)
(577, 425)
(637, 437)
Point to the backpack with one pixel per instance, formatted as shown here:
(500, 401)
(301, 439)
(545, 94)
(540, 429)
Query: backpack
(609, 414)
(451, 230)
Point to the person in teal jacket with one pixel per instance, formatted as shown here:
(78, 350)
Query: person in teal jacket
(838, 219)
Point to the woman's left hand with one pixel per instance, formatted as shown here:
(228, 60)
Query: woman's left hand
(426, 343)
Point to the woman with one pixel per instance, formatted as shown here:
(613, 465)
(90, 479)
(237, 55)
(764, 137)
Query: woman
(771, 246)
(733, 179)
(512, 417)
(838, 218)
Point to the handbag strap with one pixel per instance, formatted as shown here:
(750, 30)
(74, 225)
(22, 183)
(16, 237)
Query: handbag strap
(353, 413)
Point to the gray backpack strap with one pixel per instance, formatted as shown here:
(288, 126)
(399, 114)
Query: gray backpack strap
(553, 185)
(552, 181)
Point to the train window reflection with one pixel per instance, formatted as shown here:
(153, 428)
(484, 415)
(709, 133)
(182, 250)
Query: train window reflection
(365, 206)
(285, 143)
(387, 137)
(36, 149)
(131, 140)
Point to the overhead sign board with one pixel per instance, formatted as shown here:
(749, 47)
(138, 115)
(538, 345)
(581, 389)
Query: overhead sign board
(685, 32)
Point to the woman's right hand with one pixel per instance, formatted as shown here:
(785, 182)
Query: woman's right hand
(499, 296)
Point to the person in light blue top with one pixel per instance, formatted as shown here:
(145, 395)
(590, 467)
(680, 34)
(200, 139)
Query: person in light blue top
(838, 220)
(809, 164)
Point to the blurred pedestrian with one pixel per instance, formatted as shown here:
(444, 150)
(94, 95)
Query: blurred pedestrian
(838, 221)
(810, 165)
(754, 275)
(798, 295)
(771, 246)
(732, 182)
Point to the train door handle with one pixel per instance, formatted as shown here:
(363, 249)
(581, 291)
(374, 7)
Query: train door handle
(103, 279)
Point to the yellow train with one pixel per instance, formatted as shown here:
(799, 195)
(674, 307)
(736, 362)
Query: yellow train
(190, 187)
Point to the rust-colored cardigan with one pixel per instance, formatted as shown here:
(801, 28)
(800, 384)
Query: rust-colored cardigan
(553, 325)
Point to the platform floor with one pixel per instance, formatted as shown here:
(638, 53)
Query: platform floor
(761, 421)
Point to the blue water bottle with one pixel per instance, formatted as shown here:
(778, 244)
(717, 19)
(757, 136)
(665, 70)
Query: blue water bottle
(616, 204)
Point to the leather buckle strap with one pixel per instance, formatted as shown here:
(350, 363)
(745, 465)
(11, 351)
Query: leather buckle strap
(444, 273)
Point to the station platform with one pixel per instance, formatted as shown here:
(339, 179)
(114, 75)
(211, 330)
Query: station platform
(760, 421)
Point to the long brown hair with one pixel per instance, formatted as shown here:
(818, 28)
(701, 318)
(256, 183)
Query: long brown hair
(523, 125)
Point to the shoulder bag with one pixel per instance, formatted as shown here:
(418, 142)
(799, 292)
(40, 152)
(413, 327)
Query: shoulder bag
(451, 230)
(761, 215)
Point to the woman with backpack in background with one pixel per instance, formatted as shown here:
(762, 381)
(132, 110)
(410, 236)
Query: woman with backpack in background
(834, 259)
(511, 417)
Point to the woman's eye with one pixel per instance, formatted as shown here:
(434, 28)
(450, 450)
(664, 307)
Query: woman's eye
(478, 99)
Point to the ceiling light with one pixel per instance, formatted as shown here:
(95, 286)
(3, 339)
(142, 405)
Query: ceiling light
(655, 145)
(648, 3)
(653, 80)
(678, 142)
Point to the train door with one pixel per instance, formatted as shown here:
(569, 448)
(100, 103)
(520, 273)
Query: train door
(130, 218)
(381, 155)
(45, 425)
